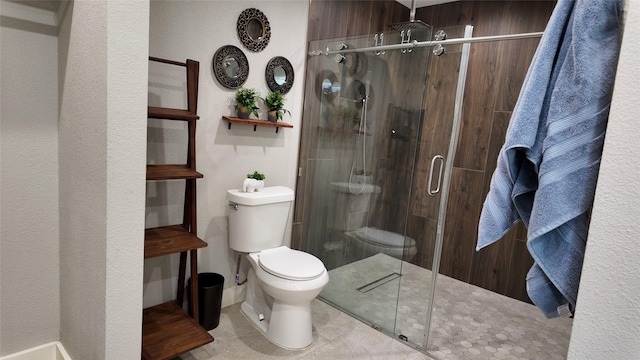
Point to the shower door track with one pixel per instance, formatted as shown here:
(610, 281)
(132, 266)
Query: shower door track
(415, 43)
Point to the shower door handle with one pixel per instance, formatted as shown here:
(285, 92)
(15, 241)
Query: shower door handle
(430, 190)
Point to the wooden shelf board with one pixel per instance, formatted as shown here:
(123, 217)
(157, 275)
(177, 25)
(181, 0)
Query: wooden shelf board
(155, 112)
(257, 122)
(168, 172)
(171, 239)
(167, 331)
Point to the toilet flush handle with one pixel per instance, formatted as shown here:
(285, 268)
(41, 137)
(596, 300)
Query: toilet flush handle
(234, 206)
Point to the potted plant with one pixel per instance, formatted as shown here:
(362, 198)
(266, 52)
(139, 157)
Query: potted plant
(256, 175)
(275, 106)
(253, 182)
(246, 102)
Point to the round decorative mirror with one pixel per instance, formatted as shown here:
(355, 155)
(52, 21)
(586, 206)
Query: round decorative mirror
(230, 67)
(279, 75)
(327, 85)
(356, 64)
(253, 29)
(357, 91)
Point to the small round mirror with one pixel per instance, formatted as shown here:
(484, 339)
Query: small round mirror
(255, 30)
(327, 85)
(279, 75)
(231, 67)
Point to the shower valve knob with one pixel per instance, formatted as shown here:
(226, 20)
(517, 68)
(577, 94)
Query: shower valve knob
(440, 35)
(438, 50)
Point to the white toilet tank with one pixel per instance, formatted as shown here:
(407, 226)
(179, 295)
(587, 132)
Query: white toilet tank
(258, 219)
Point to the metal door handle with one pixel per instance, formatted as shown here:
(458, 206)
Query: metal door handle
(431, 191)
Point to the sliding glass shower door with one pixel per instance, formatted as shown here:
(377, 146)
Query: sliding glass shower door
(375, 145)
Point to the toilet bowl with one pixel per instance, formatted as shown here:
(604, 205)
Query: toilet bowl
(279, 296)
(368, 241)
(281, 282)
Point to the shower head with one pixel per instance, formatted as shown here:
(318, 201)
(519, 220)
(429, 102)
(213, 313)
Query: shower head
(413, 25)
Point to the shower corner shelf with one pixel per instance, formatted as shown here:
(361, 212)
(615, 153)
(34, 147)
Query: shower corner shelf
(257, 122)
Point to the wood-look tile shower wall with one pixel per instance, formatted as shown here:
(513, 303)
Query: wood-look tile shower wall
(495, 75)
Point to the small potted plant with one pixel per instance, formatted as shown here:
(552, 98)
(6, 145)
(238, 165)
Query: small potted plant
(253, 182)
(275, 106)
(246, 102)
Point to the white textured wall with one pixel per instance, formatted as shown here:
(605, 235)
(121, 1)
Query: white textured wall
(83, 188)
(607, 322)
(127, 64)
(103, 59)
(29, 299)
(195, 30)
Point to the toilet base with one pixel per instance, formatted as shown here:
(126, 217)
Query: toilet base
(289, 326)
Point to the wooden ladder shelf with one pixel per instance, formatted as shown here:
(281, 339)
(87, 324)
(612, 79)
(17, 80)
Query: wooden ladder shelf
(167, 330)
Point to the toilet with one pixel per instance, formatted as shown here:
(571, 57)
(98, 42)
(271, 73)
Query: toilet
(368, 241)
(281, 282)
(351, 205)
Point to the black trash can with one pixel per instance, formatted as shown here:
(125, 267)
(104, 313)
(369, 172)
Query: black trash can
(210, 287)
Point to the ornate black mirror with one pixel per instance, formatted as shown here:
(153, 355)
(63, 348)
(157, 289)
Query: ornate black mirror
(230, 67)
(253, 29)
(279, 74)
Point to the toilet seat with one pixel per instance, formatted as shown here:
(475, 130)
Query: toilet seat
(383, 238)
(290, 264)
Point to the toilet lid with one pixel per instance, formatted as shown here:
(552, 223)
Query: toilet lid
(290, 264)
(384, 238)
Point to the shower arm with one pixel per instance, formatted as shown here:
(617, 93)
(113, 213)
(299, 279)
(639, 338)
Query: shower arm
(416, 43)
(412, 16)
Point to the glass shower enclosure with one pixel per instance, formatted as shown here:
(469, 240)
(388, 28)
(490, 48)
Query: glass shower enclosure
(379, 133)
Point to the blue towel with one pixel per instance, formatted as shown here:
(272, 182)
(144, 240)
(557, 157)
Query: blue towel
(547, 169)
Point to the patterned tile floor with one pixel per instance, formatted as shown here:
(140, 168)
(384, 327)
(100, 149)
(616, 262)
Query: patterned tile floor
(468, 322)
(336, 336)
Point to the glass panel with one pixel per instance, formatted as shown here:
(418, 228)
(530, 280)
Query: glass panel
(443, 102)
(370, 136)
(361, 167)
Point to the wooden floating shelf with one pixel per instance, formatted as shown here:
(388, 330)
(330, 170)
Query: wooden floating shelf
(257, 122)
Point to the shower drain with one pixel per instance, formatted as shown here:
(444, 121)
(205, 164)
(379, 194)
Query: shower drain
(377, 283)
